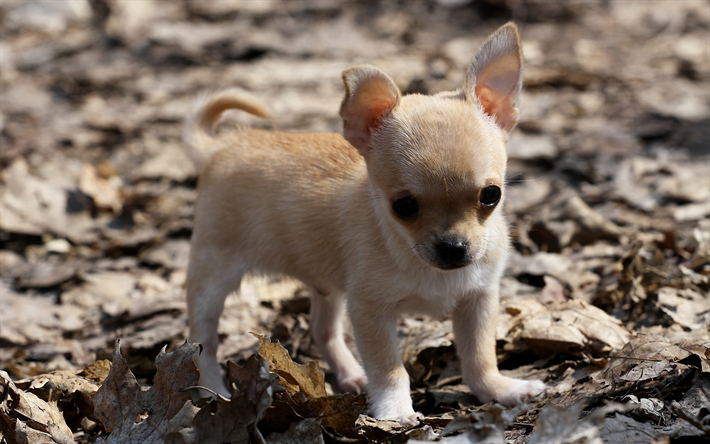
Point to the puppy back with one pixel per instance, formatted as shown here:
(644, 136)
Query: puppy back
(198, 131)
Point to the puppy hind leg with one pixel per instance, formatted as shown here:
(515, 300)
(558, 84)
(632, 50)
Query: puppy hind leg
(327, 313)
(208, 284)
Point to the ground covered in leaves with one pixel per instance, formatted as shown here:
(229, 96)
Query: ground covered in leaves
(606, 293)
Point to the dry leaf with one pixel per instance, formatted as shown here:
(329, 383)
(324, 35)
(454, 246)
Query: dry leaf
(25, 418)
(104, 193)
(305, 393)
(305, 431)
(228, 421)
(565, 426)
(686, 307)
(645, 357)
(132, 414)
(308, 380)
(426, 346)
(569, 327)
(484, 426)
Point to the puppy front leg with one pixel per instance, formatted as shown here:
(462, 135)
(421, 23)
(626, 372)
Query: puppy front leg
(474, 330)
(388, 380)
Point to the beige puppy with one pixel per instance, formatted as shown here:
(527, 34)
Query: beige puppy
(403, 215)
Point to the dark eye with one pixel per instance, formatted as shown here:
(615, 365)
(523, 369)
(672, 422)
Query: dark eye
(490, 196)
(405, 207)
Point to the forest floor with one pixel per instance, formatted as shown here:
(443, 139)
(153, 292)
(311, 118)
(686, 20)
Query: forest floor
(606, 296)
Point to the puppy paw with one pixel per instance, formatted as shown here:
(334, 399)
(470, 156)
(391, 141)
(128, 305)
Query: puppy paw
(406, 416)
(508, 391)
(520, 390)
(355, 382)
(410, 420)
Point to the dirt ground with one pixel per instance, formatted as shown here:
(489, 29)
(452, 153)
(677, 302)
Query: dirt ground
(606, 296)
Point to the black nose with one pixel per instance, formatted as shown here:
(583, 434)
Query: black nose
(452, 252)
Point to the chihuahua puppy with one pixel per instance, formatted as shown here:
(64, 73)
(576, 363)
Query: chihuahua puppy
(402, 215)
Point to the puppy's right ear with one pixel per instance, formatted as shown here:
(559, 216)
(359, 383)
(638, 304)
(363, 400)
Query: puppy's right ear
(370, 96)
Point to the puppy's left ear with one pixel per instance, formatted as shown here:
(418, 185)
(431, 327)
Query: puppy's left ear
(495, 76)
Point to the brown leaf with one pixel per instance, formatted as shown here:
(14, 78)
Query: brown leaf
(132, 414)
(35, 318)
(337, 412)
(233, 420)
(307, 430)
(686, 307)
(426, 346)
(305, 393)
(97, 371)
(71, 387)
(34, 205)
(581, 223)
(564, 426)
(309, 380)
(644, 357)
(25, 418)
(571, 327)
(553, 291)
(485, 425)
(172, 253)
(104, 193)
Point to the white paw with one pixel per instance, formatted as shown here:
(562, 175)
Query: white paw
(410, 419)
(518, 390)
(404, 415)
(353, 382)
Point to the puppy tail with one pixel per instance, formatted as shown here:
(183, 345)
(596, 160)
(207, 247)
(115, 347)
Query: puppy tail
(198, 131)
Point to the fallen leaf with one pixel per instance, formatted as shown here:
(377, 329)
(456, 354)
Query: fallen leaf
(644, 357)
(565, 426)
(233, 420)
(306, 394)
(426, 347)
(31, 204)
(305, 431)
(104, 193)
(685, 306)
(568, 327)
(46, 274)
(308, 380)
(25, 418)
(27, 319)
(132, 414)
(484, 426)
(693, 408)
(172, 253)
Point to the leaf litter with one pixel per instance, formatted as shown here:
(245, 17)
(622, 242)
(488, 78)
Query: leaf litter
(606, 293)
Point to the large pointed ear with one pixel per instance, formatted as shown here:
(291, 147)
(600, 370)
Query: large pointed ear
(495, 76)
(370, 95)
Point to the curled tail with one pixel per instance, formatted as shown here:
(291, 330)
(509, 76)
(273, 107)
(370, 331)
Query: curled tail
(198, 131)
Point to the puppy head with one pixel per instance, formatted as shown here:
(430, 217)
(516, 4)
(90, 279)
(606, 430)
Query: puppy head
(437, 163)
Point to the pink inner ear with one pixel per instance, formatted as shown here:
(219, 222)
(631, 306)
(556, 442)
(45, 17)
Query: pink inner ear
(376, 108)
(497, 86)
(501, 108)
(364, 112)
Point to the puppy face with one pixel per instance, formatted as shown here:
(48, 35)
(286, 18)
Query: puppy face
(437, 163)
(438, 167)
